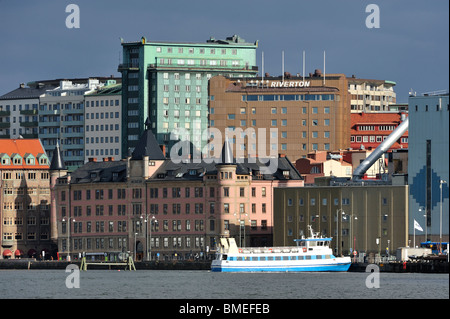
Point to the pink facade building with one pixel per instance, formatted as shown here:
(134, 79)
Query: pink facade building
(153, 207)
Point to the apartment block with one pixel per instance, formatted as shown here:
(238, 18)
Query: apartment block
(19, 111)
(24, 200)
(167, 82)
(369, 95)
(103, 123)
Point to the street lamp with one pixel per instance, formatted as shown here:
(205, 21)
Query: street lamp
(440, 218)
(240, 227)
(135, 250)
(68, 235)
(337, 229)
(147, 245)
(425, 215)
(149, 250)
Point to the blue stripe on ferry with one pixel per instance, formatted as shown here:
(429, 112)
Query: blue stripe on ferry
(335, 267)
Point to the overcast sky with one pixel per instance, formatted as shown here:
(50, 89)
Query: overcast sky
(411, 47)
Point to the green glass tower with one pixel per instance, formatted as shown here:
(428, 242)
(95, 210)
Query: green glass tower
(167, 83)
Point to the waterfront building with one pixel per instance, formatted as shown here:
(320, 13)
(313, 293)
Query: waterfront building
(103, 122)
(150, 205)
(369, 129)
(24, 199)
(167, 82)
(367, 218)
(428, 165)
(322, 163)
(61, 118)
(19, 111)
(369, 95)
(299, 115)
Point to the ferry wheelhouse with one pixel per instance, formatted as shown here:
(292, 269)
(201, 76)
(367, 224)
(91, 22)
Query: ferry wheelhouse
(310, 254)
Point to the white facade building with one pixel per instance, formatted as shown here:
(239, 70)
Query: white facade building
(103, 123)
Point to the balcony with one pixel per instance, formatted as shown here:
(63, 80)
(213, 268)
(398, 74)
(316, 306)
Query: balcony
(29, 124)
(5, 125)
(128, 66)
(29, 112)
(5, 113)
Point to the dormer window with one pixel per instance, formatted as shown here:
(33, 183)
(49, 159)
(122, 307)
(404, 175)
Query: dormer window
(93, 175)
(17, 160)
(6, 160)
(286, 174)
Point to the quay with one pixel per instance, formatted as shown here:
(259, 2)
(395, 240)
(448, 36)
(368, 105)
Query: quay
(31, 264)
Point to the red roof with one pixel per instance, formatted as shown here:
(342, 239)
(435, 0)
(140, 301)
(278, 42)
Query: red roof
(23, 148)
(387, 118)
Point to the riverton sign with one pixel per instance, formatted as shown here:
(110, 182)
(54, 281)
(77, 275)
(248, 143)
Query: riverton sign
(285, 84)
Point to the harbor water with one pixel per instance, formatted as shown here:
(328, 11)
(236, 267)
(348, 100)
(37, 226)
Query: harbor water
(200, 284)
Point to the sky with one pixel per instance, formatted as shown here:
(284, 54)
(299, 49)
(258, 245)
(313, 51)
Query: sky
(410, 47)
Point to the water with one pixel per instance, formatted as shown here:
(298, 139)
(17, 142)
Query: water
(171, 284)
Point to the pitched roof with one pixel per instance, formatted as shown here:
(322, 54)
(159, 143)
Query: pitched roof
(100, 172)
(23, 147)
(24, 93)
(57, 160)
(147, 146)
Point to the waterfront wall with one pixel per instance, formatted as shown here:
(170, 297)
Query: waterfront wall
(400, 267)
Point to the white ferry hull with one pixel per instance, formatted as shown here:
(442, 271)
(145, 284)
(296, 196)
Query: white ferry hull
(341, 264)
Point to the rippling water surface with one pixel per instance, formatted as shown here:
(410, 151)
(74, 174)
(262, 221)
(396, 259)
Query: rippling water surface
(161, 284)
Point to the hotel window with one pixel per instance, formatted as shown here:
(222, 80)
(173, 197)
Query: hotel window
(326, 122)
(315, 146)
(315, 110)
(315, 122)
(273, 122)
(273, 110)
(326, 110)
(226, 208)
(315, 134)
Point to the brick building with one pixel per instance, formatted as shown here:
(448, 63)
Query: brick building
(153, 206)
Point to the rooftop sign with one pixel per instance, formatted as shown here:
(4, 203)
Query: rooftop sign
(283, 84)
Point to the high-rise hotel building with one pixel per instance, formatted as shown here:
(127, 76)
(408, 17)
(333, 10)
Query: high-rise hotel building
(299, 115)
(167, 82)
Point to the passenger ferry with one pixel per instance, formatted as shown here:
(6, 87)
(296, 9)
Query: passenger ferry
(310, 254)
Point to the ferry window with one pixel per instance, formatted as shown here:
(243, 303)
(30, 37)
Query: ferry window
(308, 257)
(240, 259)
(224, 257)
(285, 257)
(277, 258)
(319, 257)
(254, 258)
